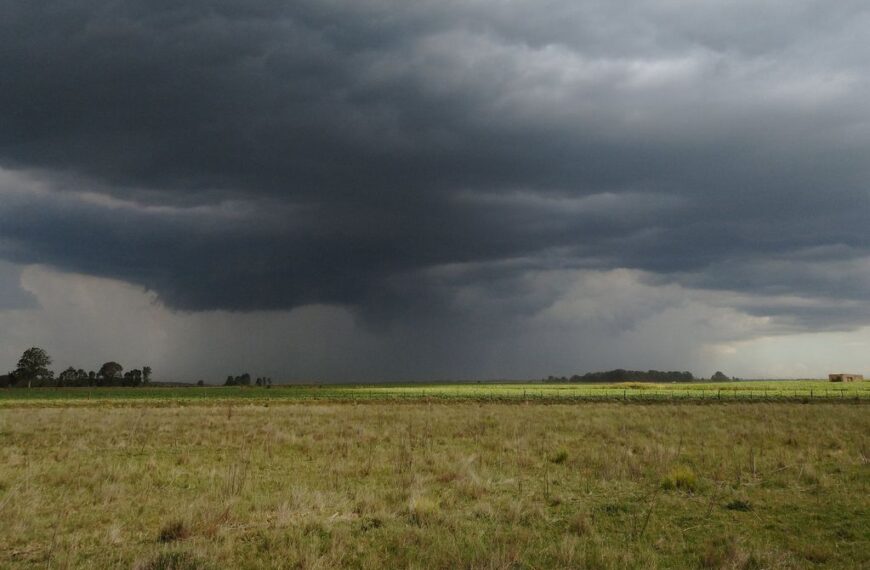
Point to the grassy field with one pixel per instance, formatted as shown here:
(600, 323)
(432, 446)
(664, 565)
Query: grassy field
(802, 390)
(242, 484)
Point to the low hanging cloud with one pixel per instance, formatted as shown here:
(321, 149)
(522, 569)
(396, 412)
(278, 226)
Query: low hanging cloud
(600, 318)
(409, 163)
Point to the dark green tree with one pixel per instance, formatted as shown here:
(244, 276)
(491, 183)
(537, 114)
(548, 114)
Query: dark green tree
(33, 365)
(110, 373)
(133, 377)
(67, 377)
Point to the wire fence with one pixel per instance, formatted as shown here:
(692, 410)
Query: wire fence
(360, 394)
(606, 394)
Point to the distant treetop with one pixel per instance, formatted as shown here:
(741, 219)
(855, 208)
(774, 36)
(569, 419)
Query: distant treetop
(622, 375)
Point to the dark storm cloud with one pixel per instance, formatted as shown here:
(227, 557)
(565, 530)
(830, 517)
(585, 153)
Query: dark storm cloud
(260, 155)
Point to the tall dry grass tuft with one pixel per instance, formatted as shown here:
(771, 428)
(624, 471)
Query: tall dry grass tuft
(235, 479)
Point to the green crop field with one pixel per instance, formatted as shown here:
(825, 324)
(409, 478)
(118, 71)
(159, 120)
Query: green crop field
(803, 390)
(243, 483)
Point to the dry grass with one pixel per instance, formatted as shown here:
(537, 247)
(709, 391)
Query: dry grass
(460, 485)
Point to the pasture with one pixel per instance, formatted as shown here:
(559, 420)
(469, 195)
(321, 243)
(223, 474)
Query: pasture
(793, 390)
(243, 482)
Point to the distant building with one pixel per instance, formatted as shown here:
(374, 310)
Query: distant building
(841, 377)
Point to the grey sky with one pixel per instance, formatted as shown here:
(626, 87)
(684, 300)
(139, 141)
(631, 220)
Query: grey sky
(439, 187)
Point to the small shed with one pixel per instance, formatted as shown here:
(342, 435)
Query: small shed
(843, 377)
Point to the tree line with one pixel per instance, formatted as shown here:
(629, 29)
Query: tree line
(33, 370)
(622, 375)
(245, 380)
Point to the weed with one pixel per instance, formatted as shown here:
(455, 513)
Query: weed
(680, 478)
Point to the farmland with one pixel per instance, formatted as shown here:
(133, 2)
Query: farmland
(795, 390)
(127, 479)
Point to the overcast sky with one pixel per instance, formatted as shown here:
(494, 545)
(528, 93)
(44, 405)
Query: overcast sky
(366, 189)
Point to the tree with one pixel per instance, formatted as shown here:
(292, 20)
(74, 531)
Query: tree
(33, 365)
(110, 371)
(243, 380)
(67, 377)
(720, 377)
(146, 374)
(133, 377)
